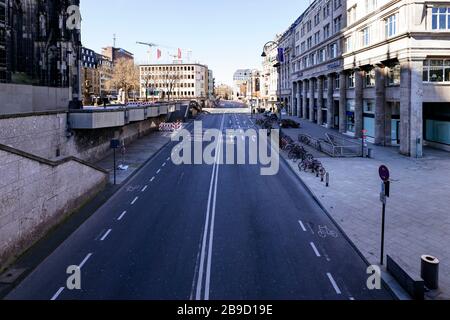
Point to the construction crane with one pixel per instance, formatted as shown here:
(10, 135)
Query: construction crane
(150, 45)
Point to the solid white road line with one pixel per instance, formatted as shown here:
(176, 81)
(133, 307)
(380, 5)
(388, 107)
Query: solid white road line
(81, 265)
(212, 195)
(302, 225)
(106, 235)
(205, 234)
(335, 286)
(145, 188)
(121, 216)
(151, 180)
(57, 294)
(315, 250)
(134, 201)
(211, 234)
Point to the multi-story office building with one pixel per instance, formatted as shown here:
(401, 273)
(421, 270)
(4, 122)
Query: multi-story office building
(270, 78)
(90, 76)
(105, 69)
(174, 81)
(211, 84)
(240, 80)
(115, 54)
(290, 51)
(382, 66)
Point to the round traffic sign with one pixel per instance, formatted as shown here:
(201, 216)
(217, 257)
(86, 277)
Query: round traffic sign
(384, 173)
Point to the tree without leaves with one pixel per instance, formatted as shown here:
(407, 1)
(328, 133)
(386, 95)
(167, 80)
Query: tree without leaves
(125, 76)
(170, 79)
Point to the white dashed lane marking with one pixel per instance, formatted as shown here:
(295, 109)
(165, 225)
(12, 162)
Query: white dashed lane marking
(134, 201)
(106, 235)
(121, 216)
(57, 294)
(302, 226)
(334, 284)
(315, 250)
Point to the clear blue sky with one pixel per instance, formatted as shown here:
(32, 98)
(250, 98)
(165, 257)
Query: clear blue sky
(224, 34)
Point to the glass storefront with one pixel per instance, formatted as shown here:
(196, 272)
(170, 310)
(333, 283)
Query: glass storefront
(437, 122)
(350, 114)
(369, 119)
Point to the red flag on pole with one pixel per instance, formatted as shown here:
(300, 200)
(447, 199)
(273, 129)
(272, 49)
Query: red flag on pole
(158, 54)
(179, 54)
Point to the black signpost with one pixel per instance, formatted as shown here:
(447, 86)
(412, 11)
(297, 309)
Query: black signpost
(115, 144)
(385, 193)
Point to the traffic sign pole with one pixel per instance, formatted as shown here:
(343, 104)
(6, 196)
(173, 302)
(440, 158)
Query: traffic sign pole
(385, 192)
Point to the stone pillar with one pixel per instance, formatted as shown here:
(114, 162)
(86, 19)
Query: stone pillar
(312, 94)
(342, 102)
(330, 102)
(411, 108)
(359, 108)
(293, 99)
(298, 96)
(380, 105)
(305, 99)
(320, 100)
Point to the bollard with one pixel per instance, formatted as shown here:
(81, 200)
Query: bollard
(327, 179)
(430, 272)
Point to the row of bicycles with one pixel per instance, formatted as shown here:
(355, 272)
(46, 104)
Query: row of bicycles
(268, 121)
(297, 153)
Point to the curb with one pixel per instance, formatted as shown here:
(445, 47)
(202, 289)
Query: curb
(386, 280)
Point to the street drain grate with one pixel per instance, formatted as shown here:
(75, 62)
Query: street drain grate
(10, 276)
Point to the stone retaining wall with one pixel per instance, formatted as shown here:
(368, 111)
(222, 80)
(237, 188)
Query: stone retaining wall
(36, 194)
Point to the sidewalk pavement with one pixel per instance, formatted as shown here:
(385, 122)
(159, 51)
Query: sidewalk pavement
(418, 214)
(137, 153)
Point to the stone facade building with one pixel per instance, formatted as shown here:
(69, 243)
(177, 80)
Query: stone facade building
(39, 47)
(377, 66)
(175, 81)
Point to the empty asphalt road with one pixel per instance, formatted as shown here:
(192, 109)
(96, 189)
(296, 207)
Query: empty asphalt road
(205, 232)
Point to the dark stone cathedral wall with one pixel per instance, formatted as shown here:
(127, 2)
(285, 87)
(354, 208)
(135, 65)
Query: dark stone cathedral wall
(39, 49)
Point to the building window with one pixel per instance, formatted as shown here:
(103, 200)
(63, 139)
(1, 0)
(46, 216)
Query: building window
(337, 4)
(394, 75)
(440, 18)
(309, 43)
(351, 15)
(351, 80)
(326, 10)
(350, 114)
(333, 51)
(435, 70)
(317, 37)
(348, 44)
(366, 36)
(337, 82)
(337, 24)
(370, 78)
(370, 5)
(391, 26)
(326, 31)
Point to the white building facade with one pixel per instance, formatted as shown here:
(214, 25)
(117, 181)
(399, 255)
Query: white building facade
(174, 81)
(379, 67)
(269, 79)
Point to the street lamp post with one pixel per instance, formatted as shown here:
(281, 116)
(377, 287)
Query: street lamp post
(278, 66)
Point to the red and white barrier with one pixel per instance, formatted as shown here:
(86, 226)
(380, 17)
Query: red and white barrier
(139, 104)
(170, 127)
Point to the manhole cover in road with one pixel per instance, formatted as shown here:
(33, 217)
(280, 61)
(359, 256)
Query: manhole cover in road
(10, 276)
